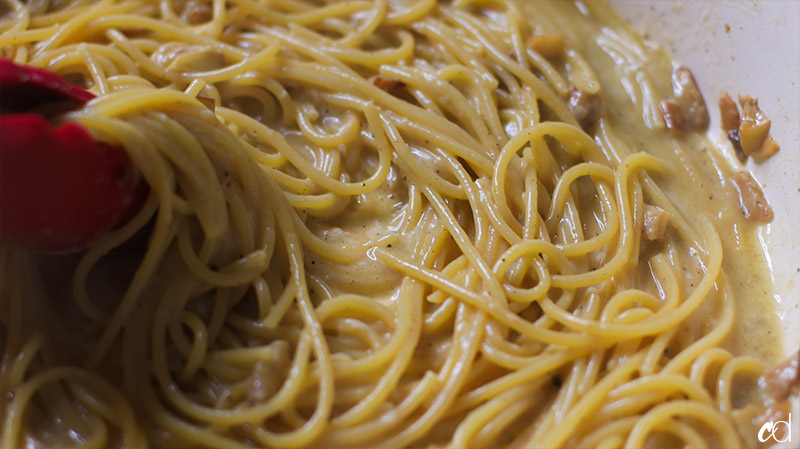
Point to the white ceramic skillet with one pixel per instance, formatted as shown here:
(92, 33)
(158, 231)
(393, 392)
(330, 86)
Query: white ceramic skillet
(747, 47)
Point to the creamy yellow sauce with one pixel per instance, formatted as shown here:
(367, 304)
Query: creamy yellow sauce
(699, 183)
(348, 345)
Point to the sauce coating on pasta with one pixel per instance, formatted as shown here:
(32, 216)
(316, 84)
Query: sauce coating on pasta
(387, 224)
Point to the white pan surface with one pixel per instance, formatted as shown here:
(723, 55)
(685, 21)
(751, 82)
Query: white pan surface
(757, 54)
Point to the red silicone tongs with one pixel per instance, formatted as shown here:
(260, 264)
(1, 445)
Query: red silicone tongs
(59, 188)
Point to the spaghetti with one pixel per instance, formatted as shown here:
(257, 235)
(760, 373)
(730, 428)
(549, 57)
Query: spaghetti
(371, 224)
